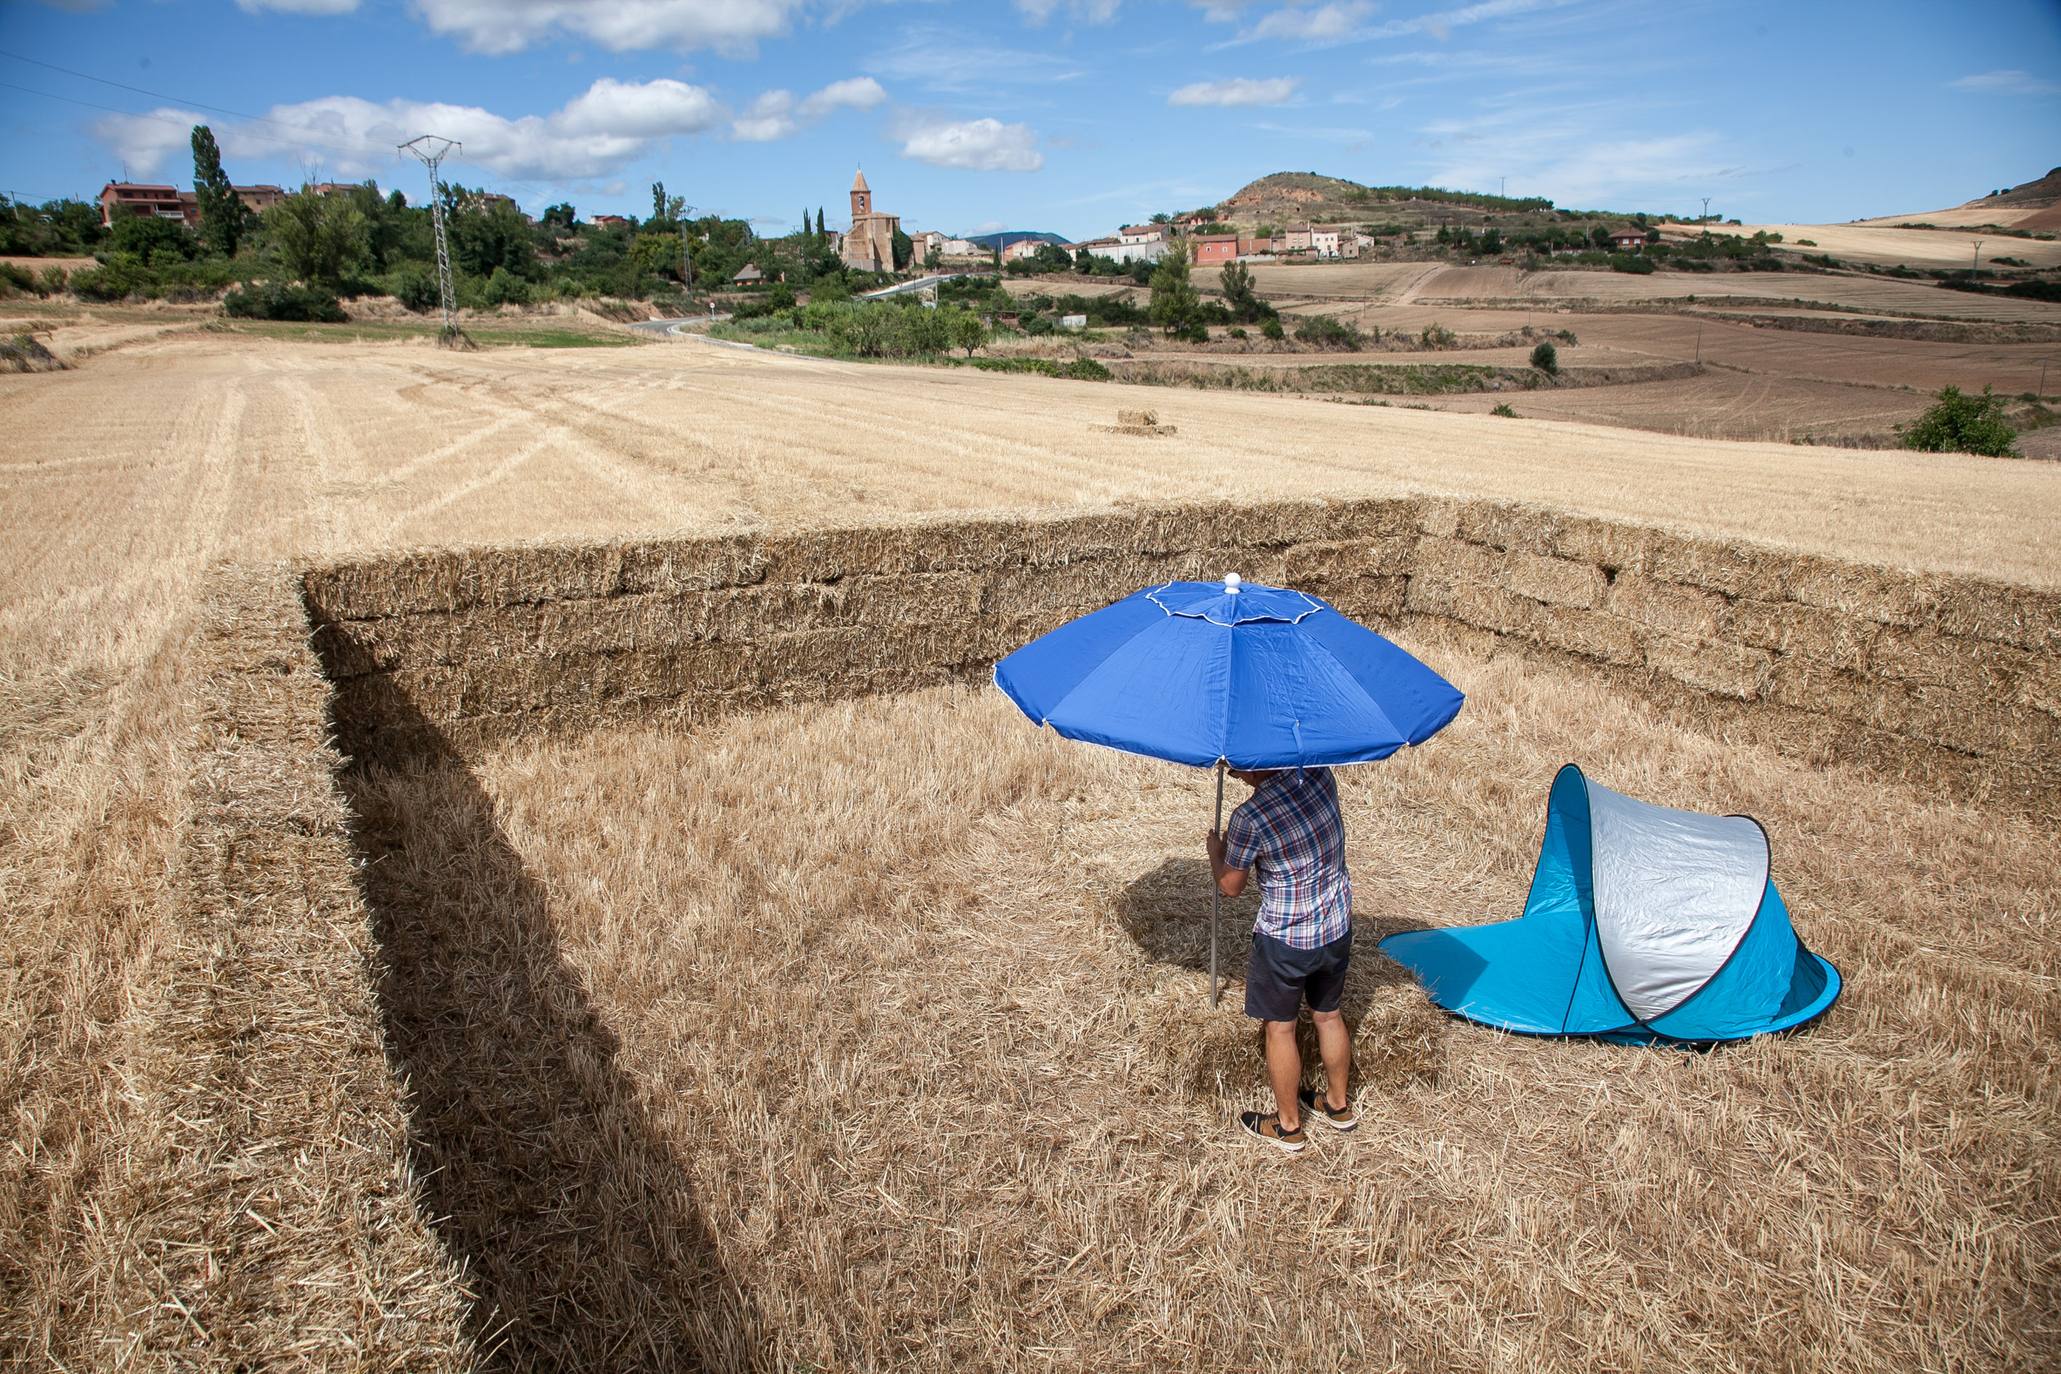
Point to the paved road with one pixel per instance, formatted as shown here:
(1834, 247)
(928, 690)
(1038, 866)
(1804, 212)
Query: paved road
(902, 288)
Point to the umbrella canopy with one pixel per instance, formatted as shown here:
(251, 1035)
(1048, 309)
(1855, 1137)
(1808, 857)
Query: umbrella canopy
(1208, 672)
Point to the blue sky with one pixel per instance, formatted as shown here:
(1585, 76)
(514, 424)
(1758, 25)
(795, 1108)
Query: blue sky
(1067, 115)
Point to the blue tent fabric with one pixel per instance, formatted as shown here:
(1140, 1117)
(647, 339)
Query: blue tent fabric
(1250, 675)
(1643, 923)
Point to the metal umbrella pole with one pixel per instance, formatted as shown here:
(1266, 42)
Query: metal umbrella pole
(1216, 893)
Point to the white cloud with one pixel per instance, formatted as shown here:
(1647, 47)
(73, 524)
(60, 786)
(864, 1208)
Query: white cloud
(596, 133)
(953, 62)
(769, 117)
(504, 26)
(298, 6)
(1314, 24)
(2008, 83)
(979, 145)
(1239, 90)
(1087, 11)
(853, 93)
(776, 114)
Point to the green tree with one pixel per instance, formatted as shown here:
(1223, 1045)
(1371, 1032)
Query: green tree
(493, 234)
(560, 217)
(1960, 423)
(658, 202)
(1240, 297)
(968, 332)
(822, 234)
(1174, 299)
(151, 240)
(1546, 358)
(224, 218)
(904, 249)
(317, 238)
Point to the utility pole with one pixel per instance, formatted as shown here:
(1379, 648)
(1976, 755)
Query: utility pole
(1975, 261)
(1706, 211)
(429, 149)
(1502, 187)
(2043, 378)
(686, 252)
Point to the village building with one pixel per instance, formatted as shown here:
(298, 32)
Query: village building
(1022, 248)
(869, 245)
(1214, 248)
(1141, 233)
(1334, 241)
(1629, 240)
(609, 221)
(1296, 238)
(748, 275)
(169, 202)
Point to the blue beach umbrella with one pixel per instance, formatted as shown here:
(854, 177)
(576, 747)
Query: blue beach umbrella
(1231, 674)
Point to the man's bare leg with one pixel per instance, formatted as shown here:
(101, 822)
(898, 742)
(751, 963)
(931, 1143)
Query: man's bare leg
(1284, 1070)
(1337, 1049)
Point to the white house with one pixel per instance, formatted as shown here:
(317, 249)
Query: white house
(1334, 241)
(1022, 248)
(1133, 234)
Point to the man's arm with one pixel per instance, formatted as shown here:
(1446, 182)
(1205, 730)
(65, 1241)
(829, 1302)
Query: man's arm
(1230, 881)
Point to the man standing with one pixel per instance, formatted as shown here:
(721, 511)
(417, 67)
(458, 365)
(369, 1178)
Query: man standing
(1290, 831)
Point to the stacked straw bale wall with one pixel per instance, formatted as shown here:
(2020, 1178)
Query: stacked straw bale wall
(1951, 680)
(294, 1235)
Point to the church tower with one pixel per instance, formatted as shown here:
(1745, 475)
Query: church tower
(870, 246)
(862, 198)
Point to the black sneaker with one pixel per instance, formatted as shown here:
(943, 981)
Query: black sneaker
(1267, 1126)
(1337, 1118)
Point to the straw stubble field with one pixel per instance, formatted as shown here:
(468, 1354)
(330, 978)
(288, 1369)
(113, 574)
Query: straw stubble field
(211, 1161)
(927, 1078)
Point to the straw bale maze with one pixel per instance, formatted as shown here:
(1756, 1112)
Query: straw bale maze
(480, 1078)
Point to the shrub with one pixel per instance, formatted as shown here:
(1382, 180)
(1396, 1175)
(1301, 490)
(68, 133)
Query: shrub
(114, 280)
(1438, 336)
(1237, 333)
(416, 288)
(1546, 358)
(280, 301)
(1272, 329)
(505, 288)
(1504, 410)
(1960, 423)
(1321, 331)
(53, 280)
(1637, 264)
(1191, 331)
(17, 278)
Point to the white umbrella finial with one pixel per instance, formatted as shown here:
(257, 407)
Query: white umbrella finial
(1231, 584)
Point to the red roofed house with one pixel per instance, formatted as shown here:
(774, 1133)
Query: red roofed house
(609, 221)
(1140, 233)
(1628, 240)
(135, 198)
(1214, 248)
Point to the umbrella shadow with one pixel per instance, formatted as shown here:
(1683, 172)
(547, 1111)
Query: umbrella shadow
(539, 1162)
(1166, 911)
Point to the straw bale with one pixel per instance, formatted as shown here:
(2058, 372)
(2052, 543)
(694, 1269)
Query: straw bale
(1457, 559)
(461, 580)
(1380, 600)
(1667, 606)
(2025, 617)
(1975, 666)
(1558, 581)
(1439, 517)
(1888, 596)
(675, 566)
(1807, 631)
(1822, 690)
(1591, 634)
(1615, 548)
(1734, 569)
(1501, 525)
(1729, 670)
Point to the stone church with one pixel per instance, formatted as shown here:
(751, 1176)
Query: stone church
(870, 246)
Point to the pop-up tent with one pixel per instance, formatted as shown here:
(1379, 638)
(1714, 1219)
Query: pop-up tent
(1644, 923)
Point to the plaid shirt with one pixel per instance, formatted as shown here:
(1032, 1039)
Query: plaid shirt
(1292, 830)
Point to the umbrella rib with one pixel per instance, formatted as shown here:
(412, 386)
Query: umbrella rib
(1361, 688)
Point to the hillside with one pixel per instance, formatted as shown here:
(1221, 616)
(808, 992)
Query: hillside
(1002, 238)
(1307, 197)
(2030, 196)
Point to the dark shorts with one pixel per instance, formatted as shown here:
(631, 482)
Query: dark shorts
(1281, 977)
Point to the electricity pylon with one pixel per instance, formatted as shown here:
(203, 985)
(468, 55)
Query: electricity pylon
(431, 150)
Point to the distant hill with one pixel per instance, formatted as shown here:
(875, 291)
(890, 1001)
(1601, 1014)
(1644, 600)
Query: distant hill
(1303, 197)
(2032, 195)
(1002, 238)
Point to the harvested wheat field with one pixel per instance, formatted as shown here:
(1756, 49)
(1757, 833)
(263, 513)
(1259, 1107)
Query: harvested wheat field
(929, 1079)
(462, 1061)
(1887, 243)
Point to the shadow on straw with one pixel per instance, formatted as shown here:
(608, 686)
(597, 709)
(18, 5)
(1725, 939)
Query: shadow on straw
(579, 1233)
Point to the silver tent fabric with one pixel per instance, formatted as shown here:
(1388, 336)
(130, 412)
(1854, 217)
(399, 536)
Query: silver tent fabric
(1675, 894)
